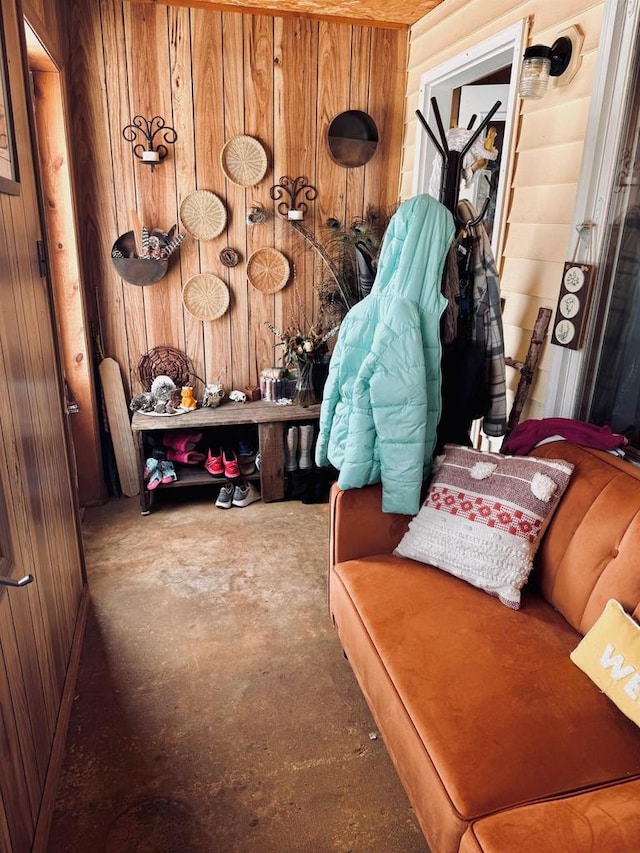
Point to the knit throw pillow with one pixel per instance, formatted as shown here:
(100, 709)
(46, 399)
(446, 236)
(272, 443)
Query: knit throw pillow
(483, 517)
(609, 653)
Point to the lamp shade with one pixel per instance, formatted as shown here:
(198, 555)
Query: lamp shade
(534, 75)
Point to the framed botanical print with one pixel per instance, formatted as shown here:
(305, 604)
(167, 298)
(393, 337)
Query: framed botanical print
(9, 178)
(573, 305)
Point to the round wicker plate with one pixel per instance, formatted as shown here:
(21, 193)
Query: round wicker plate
(203, 214)
(268, 270)
(205, 296)
(244, 161)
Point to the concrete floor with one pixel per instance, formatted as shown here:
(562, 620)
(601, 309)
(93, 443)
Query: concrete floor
(214, 710)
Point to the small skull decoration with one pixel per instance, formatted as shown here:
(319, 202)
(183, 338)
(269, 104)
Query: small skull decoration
(213, 393)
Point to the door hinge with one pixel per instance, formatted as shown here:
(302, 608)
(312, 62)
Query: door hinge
(42, 258)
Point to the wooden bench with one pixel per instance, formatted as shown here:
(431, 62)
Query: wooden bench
(270, 419)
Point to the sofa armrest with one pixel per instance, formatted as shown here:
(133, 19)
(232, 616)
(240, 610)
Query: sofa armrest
(359, 528)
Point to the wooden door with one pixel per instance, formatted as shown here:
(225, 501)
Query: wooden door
(39, 529)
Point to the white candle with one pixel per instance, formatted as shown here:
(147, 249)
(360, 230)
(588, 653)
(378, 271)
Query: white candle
(294, 214)
(150, 157)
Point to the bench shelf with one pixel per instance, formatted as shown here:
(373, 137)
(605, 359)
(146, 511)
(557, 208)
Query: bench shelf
(270, 419)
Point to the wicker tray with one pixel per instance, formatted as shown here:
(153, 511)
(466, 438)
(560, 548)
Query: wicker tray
(268, 270)
(244, 161)
(203, 214)
(205, 296)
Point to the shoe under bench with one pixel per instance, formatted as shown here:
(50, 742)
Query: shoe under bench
(270, 419)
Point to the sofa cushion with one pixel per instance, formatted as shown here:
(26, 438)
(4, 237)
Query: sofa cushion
(609, 654)
(589, 553)
(483, 516)
(603, 821)
(479, 705)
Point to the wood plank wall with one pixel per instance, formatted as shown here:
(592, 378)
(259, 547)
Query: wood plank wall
(213, 76)
(549, 143)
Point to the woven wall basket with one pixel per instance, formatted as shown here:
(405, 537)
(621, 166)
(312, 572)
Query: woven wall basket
(268, 270)
(244, 161)
(203, 214)
(165, 361)
(205, 296)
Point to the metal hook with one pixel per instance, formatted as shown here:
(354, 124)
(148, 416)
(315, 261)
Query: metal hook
(478, 219)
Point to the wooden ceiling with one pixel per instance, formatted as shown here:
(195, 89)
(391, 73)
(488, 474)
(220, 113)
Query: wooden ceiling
(396, 14)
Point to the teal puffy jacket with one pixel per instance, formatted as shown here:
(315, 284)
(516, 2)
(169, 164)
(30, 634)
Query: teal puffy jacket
(381, 403)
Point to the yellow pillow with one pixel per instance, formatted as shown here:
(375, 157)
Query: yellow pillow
(609, 654)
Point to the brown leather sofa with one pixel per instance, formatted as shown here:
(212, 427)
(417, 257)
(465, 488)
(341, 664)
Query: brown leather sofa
(502, 744)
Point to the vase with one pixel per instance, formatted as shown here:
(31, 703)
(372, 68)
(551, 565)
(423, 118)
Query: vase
(305, 394)
(319, 373)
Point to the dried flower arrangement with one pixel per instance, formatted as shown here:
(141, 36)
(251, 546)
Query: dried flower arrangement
(300, 345)
(304, 345)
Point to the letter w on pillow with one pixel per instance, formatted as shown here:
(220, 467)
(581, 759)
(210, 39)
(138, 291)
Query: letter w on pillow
(618, 670)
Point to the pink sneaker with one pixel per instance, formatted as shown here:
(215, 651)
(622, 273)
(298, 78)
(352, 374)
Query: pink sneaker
(231, 467)
(167, 472)
(155, 479)
(214, 464)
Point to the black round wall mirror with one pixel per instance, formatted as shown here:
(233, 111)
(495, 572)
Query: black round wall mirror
(352, 138)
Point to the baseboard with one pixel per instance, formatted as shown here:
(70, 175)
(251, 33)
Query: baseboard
(43, 825)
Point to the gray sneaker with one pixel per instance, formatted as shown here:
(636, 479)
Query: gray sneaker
(245, 494)
(225, 496)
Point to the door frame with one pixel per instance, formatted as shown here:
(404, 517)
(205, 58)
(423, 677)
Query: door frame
(501, 49)
(53, 163)
(567, 373)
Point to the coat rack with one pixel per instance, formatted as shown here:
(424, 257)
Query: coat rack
(452, 160)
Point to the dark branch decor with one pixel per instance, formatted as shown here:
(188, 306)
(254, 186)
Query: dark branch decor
(355, 249)
(333, 270)
(349, 255)
(142, 133)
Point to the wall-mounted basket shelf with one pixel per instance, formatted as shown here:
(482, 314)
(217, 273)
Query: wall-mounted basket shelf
(139, 271)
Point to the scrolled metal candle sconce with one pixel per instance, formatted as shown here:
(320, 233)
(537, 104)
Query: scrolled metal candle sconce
(146, 131)
(293, 187)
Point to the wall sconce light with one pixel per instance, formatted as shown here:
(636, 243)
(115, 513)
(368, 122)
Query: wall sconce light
(540, 62)
(293, 187)
(143, 132)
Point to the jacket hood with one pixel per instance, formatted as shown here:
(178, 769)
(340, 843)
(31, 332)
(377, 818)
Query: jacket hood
(413, 250)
